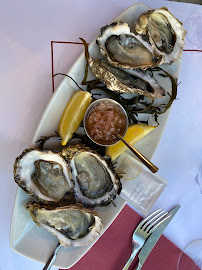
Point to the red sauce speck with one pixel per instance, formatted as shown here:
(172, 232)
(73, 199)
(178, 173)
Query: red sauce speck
(104, 121)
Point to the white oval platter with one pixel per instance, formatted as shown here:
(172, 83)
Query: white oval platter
(34, 242)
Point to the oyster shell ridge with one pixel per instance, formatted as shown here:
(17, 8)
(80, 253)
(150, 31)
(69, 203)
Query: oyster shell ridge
(22, 183)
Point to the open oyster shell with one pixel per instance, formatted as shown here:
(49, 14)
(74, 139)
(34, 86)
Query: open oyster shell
(95, 183)
(123, 49)
(43, 174)
(163, 31)
(73, 225)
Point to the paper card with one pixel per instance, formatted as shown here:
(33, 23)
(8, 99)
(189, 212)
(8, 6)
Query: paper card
(141, 188)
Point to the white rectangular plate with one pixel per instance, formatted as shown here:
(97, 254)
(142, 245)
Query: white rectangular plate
(34, 242)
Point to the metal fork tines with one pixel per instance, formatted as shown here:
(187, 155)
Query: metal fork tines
(144, 230)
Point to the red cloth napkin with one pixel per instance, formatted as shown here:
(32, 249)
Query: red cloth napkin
(113, 249)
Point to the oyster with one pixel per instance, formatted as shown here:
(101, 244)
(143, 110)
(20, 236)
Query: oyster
(123, 49)
(164, 32)
(126, 80)
(95, 183)
(43, 174)
(73, 225)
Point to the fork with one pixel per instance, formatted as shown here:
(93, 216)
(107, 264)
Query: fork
(144, 230)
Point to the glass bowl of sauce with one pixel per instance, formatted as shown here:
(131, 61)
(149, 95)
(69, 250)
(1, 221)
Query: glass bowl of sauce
(104, 119)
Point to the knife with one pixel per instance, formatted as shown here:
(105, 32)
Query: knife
(154, 237)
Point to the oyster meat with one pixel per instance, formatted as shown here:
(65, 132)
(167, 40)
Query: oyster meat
(124, 49)
(43, 174)
(95, 183)
(163, 31)
(73, 225)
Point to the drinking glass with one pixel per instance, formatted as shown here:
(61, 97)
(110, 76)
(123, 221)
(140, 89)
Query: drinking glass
(194, 251)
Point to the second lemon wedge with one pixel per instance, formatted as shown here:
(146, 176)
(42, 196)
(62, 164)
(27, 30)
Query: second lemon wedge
(73, 114)
(133, 134)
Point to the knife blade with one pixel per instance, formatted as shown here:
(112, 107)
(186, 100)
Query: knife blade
(154, 237)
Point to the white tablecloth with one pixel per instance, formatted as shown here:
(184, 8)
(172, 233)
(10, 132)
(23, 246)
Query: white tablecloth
(27, 28)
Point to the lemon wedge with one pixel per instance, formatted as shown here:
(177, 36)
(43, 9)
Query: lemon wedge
(133, 134)
(73, 114)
